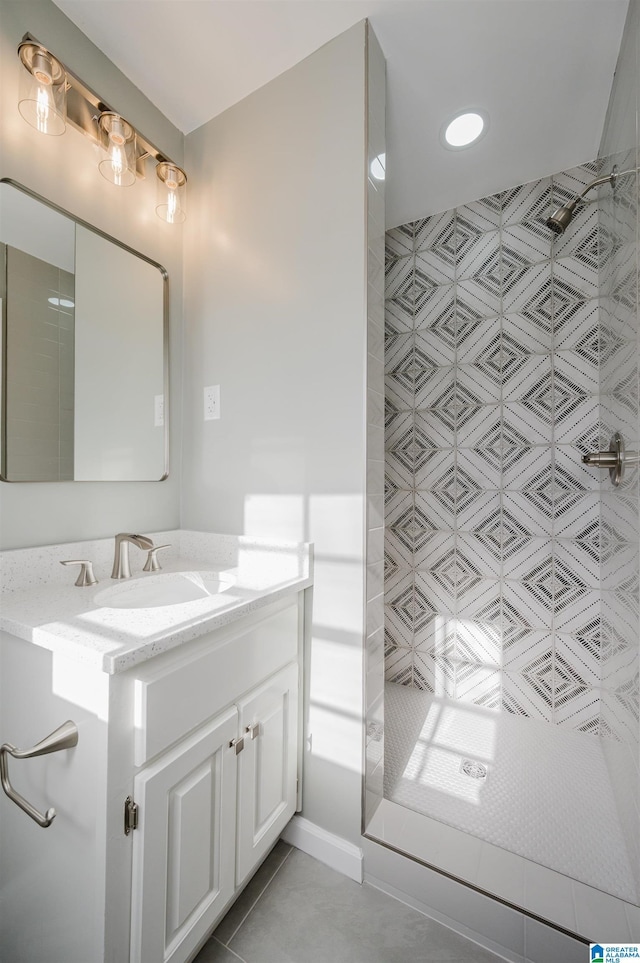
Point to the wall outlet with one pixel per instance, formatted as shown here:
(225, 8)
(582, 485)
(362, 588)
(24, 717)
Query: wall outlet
(158, 411)
(212, 402)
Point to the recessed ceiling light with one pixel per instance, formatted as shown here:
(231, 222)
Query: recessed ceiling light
(377, 167)
(465, 129)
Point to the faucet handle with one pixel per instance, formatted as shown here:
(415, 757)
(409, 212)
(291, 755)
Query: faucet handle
(86, 576)
(152, 564)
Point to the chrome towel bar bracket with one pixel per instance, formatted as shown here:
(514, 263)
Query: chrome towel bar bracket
(64, 737)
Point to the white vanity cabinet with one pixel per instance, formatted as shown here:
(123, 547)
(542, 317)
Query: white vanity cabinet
(206, 740)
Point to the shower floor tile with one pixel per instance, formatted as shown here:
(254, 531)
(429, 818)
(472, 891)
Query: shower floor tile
(546, 795)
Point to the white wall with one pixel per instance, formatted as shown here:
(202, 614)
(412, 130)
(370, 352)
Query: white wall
(64, 170)
(275, 313)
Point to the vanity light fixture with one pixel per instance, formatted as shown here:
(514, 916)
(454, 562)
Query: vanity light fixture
(172, 188)
(118, 141)
(464, 129)
(42, 98)
(51, 96)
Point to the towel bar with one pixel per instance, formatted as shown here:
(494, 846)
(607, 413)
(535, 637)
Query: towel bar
(64, 737)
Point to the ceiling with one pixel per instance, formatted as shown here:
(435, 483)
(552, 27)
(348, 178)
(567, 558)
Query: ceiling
(541, 69)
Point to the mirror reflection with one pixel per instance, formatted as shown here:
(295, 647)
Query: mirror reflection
(84, 350)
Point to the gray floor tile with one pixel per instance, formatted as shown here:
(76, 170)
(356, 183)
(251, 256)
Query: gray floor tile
(252, 892)
(311, 914)
(215, 952)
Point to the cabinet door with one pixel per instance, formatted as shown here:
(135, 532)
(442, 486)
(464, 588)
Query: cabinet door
(267, 770)
(183, 849)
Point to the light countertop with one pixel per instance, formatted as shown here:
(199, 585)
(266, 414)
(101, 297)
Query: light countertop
(40, 606)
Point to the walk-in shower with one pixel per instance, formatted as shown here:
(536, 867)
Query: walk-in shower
(509, 741)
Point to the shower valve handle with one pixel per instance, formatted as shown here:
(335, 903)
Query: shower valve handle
(614, 459)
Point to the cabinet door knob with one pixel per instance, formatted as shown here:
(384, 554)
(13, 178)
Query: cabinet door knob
(237, 744)
(253, 731)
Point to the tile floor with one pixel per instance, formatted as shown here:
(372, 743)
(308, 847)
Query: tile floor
(297, 910)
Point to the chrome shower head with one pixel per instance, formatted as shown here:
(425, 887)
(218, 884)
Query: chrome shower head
(560, 219)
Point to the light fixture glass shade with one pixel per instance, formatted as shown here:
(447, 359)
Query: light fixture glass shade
(172, 193)
(118, 141)
(42, 97)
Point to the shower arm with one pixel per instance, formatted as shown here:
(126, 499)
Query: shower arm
(611, 178)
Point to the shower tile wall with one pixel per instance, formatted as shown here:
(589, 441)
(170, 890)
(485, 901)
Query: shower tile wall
(492, 564)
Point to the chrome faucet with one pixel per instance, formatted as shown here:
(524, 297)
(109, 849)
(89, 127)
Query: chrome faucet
(121, 558)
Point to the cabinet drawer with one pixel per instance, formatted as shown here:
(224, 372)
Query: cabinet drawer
(179, 693)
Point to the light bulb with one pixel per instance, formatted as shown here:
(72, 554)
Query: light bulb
(119, 142)
(43, 109)
(172, 206)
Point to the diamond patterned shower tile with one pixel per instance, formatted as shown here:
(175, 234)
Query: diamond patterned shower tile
(571, 475)
(437, 310)
(480, 381)
(435, 469)
(529, 510)
(522, 465)
(398, 319)
(524, 244)
(437, 343)
(576, 419)
(480, 255)
(479, 513)
(576, 277)
(583, 334)
(480, 343)
(436, 231)
(478, 685)
(476, 422)
(582, 557)
(527, 559)
(528, 380)
(431, 384)
(527, 291)
(526, 603)
(438, 591)
(399, 280)
(531, 418)
(437, 636)
(438, 507)
(585, 605)
(433, 267)
(433, 673)
(620, 567)
(394, 571)
(435, 428)
(398, 425)
(523, 696)
(578, 368)
(478, 643)
(481, 465)
(583, 657)
(581, 241)
(399, 666)
(433, 552)
(527, 336)
(522, 646)
(483, 215)
(579, 708)
(615, 721)
(399, 241)
(479, 295)
(481, 604)
(527, 202)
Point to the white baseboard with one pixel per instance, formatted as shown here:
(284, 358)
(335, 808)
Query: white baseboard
(335, 851)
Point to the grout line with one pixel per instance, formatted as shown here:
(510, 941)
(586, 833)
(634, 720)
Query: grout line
(228, 948)
(257, 900)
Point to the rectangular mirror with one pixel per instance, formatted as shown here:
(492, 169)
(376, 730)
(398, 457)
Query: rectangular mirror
(84, 350)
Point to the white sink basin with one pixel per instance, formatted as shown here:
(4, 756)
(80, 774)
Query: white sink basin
(170, 588)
